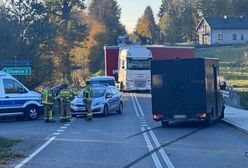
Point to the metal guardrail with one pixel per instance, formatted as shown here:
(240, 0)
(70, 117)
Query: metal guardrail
(231, 98)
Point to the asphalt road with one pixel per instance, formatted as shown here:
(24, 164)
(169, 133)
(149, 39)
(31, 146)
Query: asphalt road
(131, 139)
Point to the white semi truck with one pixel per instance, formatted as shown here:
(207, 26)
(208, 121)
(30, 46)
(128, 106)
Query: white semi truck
(134, 68)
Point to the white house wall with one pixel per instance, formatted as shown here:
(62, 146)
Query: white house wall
(204, 33)
(227, 36)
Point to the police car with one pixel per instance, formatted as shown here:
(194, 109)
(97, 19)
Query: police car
(16, 100)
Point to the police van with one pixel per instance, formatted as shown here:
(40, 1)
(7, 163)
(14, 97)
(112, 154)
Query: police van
(16, 100)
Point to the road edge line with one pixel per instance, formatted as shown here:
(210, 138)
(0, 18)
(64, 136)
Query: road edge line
(235, 125)
(37, 151)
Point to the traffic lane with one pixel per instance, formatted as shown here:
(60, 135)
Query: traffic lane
(216, 146)
(31, 133)
(26, 129)
(192, 144)
(100, 143)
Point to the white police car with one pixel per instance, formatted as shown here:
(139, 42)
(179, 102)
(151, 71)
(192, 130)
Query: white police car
(16, 100)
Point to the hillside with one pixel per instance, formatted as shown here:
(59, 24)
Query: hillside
(231, 58)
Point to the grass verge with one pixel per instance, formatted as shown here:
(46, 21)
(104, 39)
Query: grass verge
(5, 150)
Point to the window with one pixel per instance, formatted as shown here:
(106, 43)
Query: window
(242, 36)
(234, 36)
(220, 36)
(138, 64)
(11, 86)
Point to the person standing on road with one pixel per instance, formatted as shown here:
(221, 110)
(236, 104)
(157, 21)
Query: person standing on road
(65, 96)
(87, 99)
(48, 101)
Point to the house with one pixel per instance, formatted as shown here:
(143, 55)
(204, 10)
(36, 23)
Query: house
(222, 30)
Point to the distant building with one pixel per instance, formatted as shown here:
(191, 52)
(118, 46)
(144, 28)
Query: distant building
(222, 30)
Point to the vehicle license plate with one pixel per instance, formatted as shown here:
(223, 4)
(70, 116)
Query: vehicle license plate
(179, 116)
(81, 108)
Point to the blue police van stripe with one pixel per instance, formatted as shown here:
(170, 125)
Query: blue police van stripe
(14, 103)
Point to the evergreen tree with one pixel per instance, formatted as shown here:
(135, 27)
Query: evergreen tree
(108, 13)
(146, 27)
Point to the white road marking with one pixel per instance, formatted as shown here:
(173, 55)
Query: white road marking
(141, 111)
(35, 152)
(154, 138)
(56, 133)
(144, 125)
(60, 130)
(150, 147)
(135, 108)
(31, 156)
(161, 151)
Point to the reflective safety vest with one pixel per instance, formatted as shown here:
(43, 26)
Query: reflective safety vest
(88, 93)
(47, 96)
(65, 94)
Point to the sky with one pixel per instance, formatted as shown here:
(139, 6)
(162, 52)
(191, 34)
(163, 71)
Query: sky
(132, 10)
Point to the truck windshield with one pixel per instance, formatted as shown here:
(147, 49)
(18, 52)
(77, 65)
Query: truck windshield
(138, 64)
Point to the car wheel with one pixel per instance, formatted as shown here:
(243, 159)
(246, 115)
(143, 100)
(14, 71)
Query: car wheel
(32, 112)
(120, 110)
(105, 111)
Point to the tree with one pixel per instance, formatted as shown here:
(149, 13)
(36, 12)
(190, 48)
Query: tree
(108, 13)
(70, 32)
(177, 21)
(146, 27)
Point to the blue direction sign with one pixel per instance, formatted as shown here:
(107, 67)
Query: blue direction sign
(18, 70)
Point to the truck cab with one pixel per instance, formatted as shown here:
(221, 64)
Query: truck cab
(134, 66)
(16, 100)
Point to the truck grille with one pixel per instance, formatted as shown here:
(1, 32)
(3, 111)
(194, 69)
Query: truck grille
(140, 83)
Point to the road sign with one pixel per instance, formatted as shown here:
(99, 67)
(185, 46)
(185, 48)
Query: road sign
(18, 70)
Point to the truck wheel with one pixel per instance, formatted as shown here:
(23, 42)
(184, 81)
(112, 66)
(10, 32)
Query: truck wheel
(209, 121)
(32, 112)
(165, 123)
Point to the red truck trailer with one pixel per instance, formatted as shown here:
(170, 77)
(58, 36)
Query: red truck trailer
(159, 52)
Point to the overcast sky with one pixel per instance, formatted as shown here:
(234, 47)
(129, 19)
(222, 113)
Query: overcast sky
(132, 10)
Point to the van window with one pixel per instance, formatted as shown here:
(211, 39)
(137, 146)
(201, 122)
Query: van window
(11, 86)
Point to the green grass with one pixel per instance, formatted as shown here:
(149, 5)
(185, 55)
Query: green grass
(231, 67)
(226, 54)
(5, 149)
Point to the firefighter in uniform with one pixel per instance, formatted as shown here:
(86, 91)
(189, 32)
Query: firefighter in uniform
(87, 99)
(65, 96)
(48, 101)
